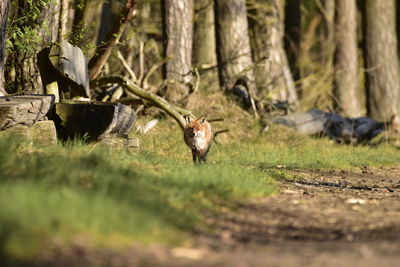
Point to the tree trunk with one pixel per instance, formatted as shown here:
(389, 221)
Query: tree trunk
(327, 32)
(178, 41)
(233, 43)
(86, 24)
(62, 29)
(292, 35)
(381, 58)
(346, 65)
(30, 36)
(273, 77)
(204, 34)
(3, 25)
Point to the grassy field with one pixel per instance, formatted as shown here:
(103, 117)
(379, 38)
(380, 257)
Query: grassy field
(110, 198)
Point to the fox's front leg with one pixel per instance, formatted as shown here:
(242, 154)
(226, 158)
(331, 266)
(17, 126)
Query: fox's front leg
(195, 155)
(203, 157)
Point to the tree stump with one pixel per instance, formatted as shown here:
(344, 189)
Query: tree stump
(66, 64)
(23, 110)
(92, 120)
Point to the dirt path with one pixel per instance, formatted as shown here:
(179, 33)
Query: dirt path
(321, 218)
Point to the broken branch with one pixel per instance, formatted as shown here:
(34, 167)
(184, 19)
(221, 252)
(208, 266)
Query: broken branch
(152, 98)
(103, 51)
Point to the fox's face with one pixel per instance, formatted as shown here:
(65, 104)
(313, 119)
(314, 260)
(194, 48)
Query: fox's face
(196, 128)
(198, 135)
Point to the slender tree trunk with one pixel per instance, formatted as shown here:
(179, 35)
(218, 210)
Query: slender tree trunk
(62, 29)
(327, 32)
(86, 24)
(273, 77)
(3, 25)
(204, 54)
(346, 65)
(292, 35)
(178, 40)
(78, 22)
(381, 58)
(233, 43)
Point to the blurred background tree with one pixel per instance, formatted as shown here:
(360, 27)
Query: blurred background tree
(339, 55)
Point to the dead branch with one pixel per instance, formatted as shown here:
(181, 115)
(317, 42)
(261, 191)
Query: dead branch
(141, 61)
(144, 82)
(104, 51)
(197, 84)
(220, 132)
(126, 65)
(152, 98)
(216, 119)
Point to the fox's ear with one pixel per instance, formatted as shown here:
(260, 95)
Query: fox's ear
(188, 119)
(202, 120)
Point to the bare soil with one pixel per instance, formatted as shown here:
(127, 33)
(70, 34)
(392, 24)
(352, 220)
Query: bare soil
(320, 218)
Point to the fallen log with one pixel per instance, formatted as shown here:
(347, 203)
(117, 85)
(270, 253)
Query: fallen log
(23, 110)
(339, 128)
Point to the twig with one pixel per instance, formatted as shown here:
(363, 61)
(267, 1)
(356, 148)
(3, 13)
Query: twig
(214, 120)
(220, 132)
(150, 72)
(126, 65)
(141, 62)
(197, 84)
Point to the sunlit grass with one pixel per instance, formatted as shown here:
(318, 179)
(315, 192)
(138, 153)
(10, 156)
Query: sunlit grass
(114, 198)
(81, 190)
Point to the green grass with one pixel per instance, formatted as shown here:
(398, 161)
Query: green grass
(113, 199)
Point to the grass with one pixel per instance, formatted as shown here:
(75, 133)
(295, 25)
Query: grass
(78, 190)
(109, 198)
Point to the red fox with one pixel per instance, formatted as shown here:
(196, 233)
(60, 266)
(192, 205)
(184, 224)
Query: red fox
(198, 136)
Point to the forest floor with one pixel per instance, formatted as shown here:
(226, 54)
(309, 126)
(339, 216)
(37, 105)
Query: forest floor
(319, 218)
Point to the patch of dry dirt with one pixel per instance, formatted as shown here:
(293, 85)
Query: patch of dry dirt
(321, 218)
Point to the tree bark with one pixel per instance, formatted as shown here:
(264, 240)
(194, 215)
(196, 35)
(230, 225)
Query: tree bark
(273, 77)
(345, 60)
(3, 25)
(204, 54)
(381, 58)
(178, 40)
(327, 32)
(292, 35)
(31, 36)
(233, 43)
(62, 29)
(103, 51)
